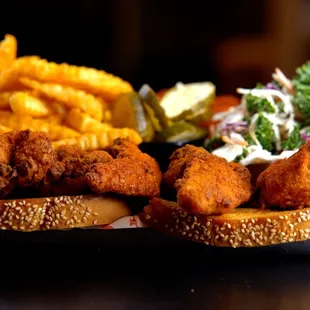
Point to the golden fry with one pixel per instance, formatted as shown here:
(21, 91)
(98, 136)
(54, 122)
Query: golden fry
(98, 82)
(71, 97)
(4, 129)
(8, 51)
(16, 122)
(4, 100)
(9, 77)
(23, 103)
(83, 123)
(58, 108)
(100, 140)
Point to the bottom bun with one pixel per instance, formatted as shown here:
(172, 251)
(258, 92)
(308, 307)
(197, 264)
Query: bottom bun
(63, 212)
(243, 227)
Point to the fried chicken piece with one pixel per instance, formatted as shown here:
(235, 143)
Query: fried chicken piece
(286, 183)
(67, 175)
(178, 162)
(131, 172)
(205, 183)
(33, 157)
(7, 143)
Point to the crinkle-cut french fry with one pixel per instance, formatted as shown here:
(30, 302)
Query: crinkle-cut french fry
(23, 103)
(71, 97)
(4, 129)
(8, 51)
(4, 100)
(107, 116)
(55, 119)
(58, 108)
(16, 122)
(91, 80)
(82, 122)
(100, 140)
(9, 77)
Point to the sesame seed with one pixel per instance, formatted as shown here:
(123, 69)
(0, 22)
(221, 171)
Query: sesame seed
(183, 233)
(95, 213)
(84, 219)
(228, 226)
(3, 228)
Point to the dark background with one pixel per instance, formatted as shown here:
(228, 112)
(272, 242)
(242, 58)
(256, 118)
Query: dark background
(160, 42)
(232, 43)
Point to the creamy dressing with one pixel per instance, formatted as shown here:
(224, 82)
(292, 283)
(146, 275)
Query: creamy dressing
(228, 151)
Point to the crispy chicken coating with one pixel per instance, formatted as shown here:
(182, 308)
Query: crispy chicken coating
(286, 183)
(205, 183)
(29, 166)
(67, 175)
(7, 146)
(33, 157)
(131, 172)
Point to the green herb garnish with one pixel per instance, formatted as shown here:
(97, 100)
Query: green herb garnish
(294, 141)
(245, 152)
(260, 86)
(301, 83)
(264, 132)
(256, 104)
(214, 143)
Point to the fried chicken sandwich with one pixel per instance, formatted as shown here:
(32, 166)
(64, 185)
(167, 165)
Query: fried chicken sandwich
(46, 189)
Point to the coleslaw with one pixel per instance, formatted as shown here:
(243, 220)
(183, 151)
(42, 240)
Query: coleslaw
(270, 123)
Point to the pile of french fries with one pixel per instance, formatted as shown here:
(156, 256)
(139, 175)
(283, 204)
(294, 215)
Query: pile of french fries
(70, 103)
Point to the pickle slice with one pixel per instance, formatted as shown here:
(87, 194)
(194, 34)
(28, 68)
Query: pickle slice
(153, 119)
(128, 111)
(148, 95)
(189, 101)
(181, 131)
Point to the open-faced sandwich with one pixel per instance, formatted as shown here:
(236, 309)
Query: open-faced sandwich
(218, 202)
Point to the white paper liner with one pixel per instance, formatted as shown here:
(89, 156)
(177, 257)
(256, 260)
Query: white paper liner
(124, 222)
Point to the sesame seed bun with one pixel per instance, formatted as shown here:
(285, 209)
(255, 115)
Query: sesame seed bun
(243, 227)
(63, 212)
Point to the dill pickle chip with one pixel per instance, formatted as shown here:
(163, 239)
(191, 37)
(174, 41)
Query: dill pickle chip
(181, 131)
(153, 119)
(189, 101)
(148, 95)
(128, 112)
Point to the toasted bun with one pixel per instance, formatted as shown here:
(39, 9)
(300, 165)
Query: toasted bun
(243, 227)
(64, 212)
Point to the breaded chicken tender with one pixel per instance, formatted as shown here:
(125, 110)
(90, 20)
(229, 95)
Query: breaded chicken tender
(7, 143)
(67, 175)
(33, 157)
(131, 172)
(205, 183)
(286, 183)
